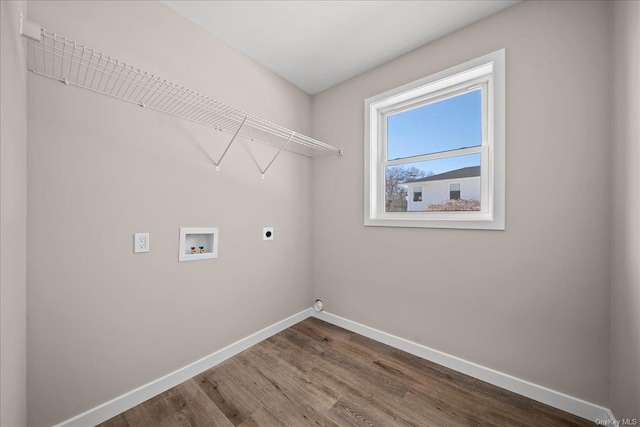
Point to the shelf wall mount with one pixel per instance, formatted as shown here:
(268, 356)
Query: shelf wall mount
(54, 56)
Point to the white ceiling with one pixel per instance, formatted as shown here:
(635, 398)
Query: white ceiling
(318, 44)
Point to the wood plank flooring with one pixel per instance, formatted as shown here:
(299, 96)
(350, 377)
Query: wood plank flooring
(317, 374)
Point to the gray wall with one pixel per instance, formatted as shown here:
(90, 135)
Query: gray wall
(13, 218)
(625, 286)
(103, 321)
(531, 301)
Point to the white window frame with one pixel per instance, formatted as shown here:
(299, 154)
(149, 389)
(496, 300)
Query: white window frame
(487, 73)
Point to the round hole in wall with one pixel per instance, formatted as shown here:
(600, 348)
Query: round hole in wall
(318, 305)
(268, 233)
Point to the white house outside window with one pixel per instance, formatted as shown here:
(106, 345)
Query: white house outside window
(435, 149)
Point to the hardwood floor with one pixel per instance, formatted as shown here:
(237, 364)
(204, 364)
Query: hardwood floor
(317, 374)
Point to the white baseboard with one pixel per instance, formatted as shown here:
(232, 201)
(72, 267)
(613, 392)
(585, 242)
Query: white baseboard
(135, 397)
(612, 419)
(573, 405)
(542, 394)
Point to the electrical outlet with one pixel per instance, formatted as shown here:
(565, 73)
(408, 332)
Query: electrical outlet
(267, 233)
(140, 243)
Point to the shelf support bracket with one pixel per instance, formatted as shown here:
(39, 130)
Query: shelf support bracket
(29, 29)
(235, 135)
(277, 154)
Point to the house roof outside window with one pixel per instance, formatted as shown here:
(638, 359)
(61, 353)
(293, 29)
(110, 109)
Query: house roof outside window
(467, 172)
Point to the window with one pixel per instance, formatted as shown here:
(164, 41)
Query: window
(417, 193)
(434, 149)
(454, 192)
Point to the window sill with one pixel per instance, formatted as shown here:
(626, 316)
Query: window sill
(466, 224)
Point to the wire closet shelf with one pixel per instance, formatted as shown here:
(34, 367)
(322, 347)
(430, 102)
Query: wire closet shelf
(57, 57)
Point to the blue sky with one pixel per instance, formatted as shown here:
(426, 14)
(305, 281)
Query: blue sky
(441, 126)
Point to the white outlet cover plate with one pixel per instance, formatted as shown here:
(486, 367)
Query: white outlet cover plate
(265, 231)
(140, 243)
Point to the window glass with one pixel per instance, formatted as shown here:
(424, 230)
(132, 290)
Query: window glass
(454, 191)
(417, 193)
(438, 182)
(449, 124)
